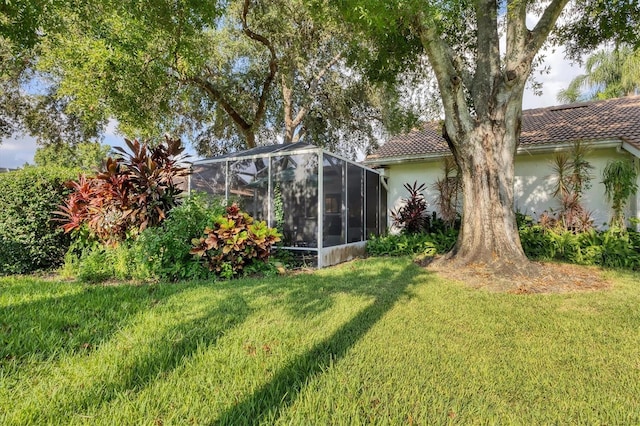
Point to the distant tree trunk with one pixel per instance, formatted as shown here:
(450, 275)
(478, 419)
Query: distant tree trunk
(250, 139)
(294, 128)
(293, 122)
(287, 83)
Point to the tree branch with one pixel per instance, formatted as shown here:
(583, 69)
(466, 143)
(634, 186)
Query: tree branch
(487, 56)
(273, 63)
(458, 119)
(313, 87)
(544, 26)
(217, 96)
(517, 33)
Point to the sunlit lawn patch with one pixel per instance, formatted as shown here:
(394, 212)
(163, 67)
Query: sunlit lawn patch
(377, 340)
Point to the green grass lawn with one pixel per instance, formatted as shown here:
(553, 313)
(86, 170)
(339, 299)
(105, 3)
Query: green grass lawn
(374, 341)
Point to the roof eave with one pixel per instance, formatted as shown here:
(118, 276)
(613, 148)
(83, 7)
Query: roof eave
(528, 149)
(631, 149)
(402, 159)
(561, 146)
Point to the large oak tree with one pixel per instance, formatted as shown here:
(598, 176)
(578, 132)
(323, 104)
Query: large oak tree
(481, 84)
(226, 74)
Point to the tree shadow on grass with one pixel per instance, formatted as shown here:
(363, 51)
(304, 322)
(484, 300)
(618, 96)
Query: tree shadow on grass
(310, 294)
(60, 325)
(147, 360)
(385, 286)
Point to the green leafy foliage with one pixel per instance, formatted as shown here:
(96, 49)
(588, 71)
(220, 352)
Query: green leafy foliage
(234, 242)
(29, 239)
(429, 244)
(619, 179)
(131, 193)
(160, 252)
(163, 252)
(87, 156)
(98, 263)
(610, 248)
(226, 74)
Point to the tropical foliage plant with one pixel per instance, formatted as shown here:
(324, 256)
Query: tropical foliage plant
(87, 156)
(424, 243)
(572, 174)
(412, 215)
(608, 74)
(163, 252)
(159, 253)
(619, 178)
(133, 191)
(235, 242)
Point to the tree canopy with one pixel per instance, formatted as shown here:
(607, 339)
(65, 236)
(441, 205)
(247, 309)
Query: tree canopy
(609, 73)
(226, 75)
(29, 102)
(87, 156)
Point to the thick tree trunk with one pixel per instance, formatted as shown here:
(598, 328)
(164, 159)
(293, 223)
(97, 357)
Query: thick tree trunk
(483, 111)
(489, 233)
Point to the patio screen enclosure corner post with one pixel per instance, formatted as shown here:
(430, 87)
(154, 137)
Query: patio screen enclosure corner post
(320, 208)
(270, 194)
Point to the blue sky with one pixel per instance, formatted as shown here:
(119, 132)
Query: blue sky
(16, 152)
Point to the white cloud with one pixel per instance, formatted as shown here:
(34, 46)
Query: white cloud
(561, 72)
(111, 129)
(15, 152)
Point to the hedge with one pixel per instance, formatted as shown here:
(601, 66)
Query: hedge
(29, 239)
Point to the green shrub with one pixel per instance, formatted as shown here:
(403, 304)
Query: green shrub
(29, 239)
(164, 252)
(620, 250)
(98, 263)
(611, 248)
(234, 243)
(405, 244)
(161, 252)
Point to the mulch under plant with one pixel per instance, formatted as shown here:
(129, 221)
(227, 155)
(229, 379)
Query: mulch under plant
(537, 278)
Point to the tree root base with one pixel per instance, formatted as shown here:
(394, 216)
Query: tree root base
(522, 278)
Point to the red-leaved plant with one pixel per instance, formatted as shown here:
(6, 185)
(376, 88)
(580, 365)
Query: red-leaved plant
(131, 192)
(412, 215)
(235, 241)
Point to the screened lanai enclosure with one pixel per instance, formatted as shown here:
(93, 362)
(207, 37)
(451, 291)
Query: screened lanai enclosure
(325, 206)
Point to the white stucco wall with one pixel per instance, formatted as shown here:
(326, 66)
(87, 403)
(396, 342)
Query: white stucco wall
(532, 186)
(635, 206)
(422, 172)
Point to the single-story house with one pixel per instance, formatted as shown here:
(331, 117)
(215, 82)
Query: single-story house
(611, 128)
(325, 206)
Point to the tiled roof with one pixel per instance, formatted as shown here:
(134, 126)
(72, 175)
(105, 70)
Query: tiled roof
(613, 119)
